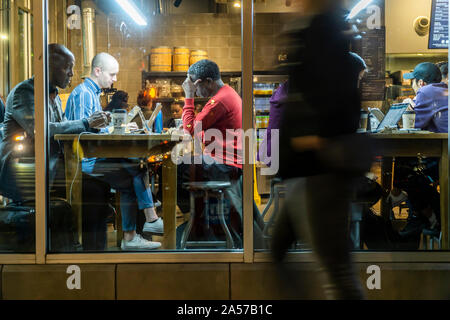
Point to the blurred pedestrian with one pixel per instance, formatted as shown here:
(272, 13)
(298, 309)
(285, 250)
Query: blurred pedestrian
(320, 154)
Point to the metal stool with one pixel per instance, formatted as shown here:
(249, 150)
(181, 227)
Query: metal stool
(207, 190)
(356, 217)
(277, 191)
(431, 236)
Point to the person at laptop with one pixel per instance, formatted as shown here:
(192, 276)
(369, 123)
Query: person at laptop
(119, 100)
(124, 175)
(176, 111)
(431, 108)
(145, 102)
(431, 101)
(443, 66)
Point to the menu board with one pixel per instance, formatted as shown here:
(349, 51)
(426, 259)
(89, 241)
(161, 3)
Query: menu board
(439, 25)
(373, 53)
(373, 90)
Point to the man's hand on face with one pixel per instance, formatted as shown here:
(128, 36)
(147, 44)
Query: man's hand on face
(190, 87)
(99, 119)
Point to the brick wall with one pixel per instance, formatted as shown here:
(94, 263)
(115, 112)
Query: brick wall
(218, 34)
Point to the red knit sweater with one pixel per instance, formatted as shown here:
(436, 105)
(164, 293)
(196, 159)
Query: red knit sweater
(222, 112)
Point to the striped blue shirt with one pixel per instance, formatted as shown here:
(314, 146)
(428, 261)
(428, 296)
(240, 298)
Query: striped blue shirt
(84, 100)
(82, 103)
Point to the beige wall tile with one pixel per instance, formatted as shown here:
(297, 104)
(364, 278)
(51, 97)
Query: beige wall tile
(173, 281)
(36, 282)
(260, 282)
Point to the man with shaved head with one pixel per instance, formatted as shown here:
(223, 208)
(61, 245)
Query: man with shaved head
(121, 174)
(84, 99)
(19, 121)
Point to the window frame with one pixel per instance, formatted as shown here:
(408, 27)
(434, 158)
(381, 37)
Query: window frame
(247, 255)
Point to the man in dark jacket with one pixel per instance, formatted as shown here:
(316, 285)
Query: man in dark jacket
(19, 127)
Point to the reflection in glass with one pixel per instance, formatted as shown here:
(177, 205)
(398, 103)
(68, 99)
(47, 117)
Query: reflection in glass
(17, 173)
(401, 203)
(25, 22)
(125, 189)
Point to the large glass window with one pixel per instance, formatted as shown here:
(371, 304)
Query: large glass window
(132, 178)
(401, 202)
(17, 173)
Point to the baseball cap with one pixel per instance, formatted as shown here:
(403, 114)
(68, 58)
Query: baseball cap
(425, 71)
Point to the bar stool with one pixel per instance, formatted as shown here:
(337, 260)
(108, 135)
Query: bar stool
(277, 190)
(207, 189)
(356, 217)
(429, 237)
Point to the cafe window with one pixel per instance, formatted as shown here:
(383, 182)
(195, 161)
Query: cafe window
(133, 183)
(401, 202)
(17, 176)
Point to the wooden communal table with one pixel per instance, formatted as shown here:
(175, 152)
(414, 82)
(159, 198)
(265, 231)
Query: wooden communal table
(413, 145)
(122, 146)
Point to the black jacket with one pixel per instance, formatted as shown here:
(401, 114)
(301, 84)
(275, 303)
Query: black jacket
(323, 97)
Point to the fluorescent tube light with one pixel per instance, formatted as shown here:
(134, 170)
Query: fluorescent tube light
(358, 8)
(129, 7)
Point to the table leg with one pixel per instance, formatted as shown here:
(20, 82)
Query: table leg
(386, 184)
(443, 183)
(169, 203)
(73, 187)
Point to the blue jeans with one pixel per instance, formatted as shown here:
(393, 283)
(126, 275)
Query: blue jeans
(126, 177)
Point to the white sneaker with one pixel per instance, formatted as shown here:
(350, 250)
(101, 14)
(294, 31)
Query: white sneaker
(139, 243)
(156, 228)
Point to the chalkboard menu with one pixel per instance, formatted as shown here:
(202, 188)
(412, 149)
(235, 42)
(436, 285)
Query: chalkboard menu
(373, 90)
(373, 52)
(439, 25)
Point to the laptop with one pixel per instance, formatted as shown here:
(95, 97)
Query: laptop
(392, 117)
(147, 124)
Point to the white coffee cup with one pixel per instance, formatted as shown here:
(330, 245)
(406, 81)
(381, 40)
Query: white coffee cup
(363, 121)
(119, 119)
(409, 119)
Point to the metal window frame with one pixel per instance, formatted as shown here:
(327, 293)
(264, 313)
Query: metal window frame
(247, 255)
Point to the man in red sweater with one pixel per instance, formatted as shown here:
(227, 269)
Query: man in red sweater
(219, 127)
(223, 112)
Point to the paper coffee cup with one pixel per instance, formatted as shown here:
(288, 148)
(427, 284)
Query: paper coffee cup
(363, 121)
(409, 119)
(119, 118)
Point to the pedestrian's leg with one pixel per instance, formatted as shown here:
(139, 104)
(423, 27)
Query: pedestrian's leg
(328, 211)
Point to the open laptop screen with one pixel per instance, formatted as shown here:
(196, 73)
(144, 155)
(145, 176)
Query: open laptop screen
(393, 116)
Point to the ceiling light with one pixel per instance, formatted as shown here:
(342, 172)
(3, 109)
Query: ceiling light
(360, 6)
(129, 7)
(237, 4)
(3, 37)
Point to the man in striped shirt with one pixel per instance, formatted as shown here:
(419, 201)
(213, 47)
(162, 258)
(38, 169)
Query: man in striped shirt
(122, 174)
